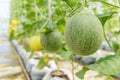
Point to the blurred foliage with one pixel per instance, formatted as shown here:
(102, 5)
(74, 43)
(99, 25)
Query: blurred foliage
(36, 11)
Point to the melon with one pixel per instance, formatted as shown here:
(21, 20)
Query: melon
(26, 42)
(51, 41)
(35, 44)
(83, 34)
(20, 41)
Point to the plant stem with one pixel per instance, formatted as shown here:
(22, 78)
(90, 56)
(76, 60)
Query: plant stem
(24, 6)
(36, 10)
(119, 26)
(72, 66)
(110, 77)
(32, 32)
(83, 4)
(36, 17)
(49, 16)
(55, 58)
(76, 66)
(106, 3)
(105, 36)
(119, 2)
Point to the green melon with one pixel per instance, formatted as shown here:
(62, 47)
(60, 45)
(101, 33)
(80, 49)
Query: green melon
(51, 41)
(20, 41)
(26, 42)
(83, 34)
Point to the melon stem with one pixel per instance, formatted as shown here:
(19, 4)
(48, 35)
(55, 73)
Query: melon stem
(36, 10)
(110, 77)
(105, 36)
(49, 16)
(72, 66)
(55, 59)
(83, 5)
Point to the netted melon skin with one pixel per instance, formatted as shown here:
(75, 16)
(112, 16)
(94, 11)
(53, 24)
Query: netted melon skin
(83, 34)
(52, 41)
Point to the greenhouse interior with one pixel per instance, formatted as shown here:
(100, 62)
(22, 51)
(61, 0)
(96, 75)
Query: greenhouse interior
(59, 39)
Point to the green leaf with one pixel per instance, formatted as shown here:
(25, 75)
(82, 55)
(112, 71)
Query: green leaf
(80, 74)
(42, 3)
(104, 17)
(68, 2)
(104, 2)
(48, 30)
(41, 63)
(66, 55)
(109, 65)
(116, 45)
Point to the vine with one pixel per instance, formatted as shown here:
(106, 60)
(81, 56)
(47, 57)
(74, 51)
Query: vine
(49, 16)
